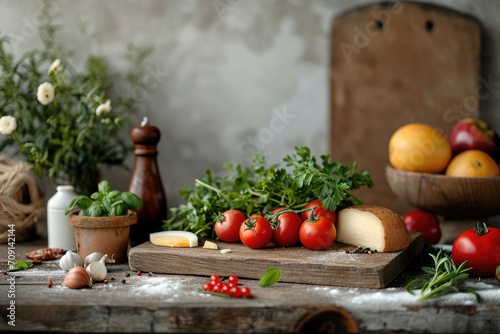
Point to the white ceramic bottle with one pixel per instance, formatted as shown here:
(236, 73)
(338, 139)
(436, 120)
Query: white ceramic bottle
(60, 233)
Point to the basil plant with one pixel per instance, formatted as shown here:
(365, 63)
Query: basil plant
(105, 202)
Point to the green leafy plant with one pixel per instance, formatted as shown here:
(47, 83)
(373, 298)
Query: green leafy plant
(61, 119)
(446, 278)
(261, 188)
(104, 202)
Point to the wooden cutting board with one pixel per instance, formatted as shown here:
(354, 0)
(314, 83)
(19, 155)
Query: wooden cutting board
(297, 264)
(396, 63)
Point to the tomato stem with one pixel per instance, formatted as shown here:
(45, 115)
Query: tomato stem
(481, 230)
(273, 218)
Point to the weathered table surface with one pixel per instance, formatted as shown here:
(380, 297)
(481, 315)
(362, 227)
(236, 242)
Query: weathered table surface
(174, 303)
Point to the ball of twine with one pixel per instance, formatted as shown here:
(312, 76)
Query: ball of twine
(20, 200)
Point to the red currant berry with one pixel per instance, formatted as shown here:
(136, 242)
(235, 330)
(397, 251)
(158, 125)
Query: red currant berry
(245, 292)
(215, 278)
(235, 292)
(225, 289)
(208, 287)
(233, 279)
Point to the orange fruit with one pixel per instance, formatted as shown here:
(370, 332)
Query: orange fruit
(472, 163)
(419, 147)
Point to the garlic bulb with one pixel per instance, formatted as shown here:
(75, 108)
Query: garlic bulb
(70, 260)
(77, 278)
(96, 256)
(97, 269)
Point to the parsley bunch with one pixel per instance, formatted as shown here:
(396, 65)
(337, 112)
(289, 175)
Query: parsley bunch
(260, 189)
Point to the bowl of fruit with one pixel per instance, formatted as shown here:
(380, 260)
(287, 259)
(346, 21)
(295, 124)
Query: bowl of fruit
(456, 176)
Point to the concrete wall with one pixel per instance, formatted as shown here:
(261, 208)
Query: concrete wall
(232, 76)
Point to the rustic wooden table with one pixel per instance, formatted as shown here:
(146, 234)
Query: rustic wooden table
(175, 304)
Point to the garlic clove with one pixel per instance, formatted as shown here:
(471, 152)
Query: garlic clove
(70, 260)
(77, 278)
(96, 256)
(97, 269)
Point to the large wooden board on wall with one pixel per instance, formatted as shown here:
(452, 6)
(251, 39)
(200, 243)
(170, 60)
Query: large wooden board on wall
(393, 64)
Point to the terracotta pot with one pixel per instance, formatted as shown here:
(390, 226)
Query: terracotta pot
(107, 235)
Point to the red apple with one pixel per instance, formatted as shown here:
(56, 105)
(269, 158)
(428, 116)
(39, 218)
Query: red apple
(474, 134)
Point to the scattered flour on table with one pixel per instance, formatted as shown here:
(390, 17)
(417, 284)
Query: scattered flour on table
(338, 256)
(396, 297)
(164, 286)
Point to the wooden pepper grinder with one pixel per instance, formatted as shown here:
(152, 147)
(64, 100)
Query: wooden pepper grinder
(146, 184)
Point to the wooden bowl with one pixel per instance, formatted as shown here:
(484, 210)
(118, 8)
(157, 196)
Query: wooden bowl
(451, 197)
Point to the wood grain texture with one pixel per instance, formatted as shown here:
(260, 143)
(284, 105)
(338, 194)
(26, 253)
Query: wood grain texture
(393, 64)
(297, 264)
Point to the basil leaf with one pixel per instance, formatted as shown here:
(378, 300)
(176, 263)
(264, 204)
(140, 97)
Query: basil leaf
(97, 210)
(132, 200)
(104, 187)
(83, 202)
(270, 277)
(20, 265)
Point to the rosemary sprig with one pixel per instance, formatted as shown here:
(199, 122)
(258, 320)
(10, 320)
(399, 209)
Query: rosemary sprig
(446, 279)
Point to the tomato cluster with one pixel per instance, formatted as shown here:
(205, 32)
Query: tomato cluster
(314, 228)
(230, 288)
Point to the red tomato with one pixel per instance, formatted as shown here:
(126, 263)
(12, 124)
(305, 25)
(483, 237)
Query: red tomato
(227, 226)
(256, 232)
(332, 215)
(480, 247)
(425, 222)
(286, 233)
(317, 233)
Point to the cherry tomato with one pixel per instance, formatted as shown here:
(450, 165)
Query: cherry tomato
(332, 215)
(227, 226)
(480, 247)
(424, 222)
(317, 233)
(286, 233)
(256, 232)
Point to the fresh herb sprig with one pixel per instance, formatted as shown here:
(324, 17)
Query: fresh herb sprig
(446, 279)
(261, 188)
(331, 182)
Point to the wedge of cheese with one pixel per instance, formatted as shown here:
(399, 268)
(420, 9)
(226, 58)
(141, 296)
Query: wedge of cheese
(174, 239)
(372, 226)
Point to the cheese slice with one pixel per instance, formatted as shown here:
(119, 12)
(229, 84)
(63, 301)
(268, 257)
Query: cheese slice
(372, 226)
(174, 239)
(210, 245)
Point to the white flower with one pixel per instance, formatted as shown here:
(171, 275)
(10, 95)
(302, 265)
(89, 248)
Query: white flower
(45, 93)
(7, 124)
(55, 66)
(103, 108)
